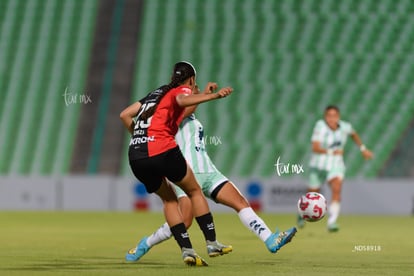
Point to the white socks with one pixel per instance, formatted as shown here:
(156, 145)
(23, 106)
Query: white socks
(333, 211)
(163, 233)
(247, 216)
(252, 221)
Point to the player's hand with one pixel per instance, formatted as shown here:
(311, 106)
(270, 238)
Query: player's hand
(210, 87)
(338, 152)
(367, 154)
(224, 92)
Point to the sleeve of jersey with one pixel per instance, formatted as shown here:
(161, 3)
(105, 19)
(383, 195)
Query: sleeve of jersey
(142, 100)
(350, 129)
(183, 90)
(317, 132)
(179, 91)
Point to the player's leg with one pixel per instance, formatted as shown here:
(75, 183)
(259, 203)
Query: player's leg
(228, 194)
(149, 173)
(203, 219)
(177, 229)
(335, 182)
(188, 183)
(316, 179)
(186, 210)
(163, 233)
(175, 221)
(144, 172)
(190, 186)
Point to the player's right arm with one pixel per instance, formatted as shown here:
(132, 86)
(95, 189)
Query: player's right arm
(317, 137)
(127, 115)
(210, 87)
(317, 148)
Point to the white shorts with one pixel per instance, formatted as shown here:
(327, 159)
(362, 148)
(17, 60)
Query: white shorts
(318, 177)
(207, 181)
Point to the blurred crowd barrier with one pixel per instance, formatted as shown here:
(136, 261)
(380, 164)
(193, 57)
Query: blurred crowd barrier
(273, 195)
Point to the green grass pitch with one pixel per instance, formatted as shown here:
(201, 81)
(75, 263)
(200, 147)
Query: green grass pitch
(94, 243)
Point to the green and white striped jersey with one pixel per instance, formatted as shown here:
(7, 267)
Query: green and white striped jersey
(330, 139)
(190, 139)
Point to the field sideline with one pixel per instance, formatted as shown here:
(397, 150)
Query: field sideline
(94, 243)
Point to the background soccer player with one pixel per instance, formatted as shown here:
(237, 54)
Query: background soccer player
(327, 164)
(215, 186)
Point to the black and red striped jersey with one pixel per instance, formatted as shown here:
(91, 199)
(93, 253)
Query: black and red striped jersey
(156, 134)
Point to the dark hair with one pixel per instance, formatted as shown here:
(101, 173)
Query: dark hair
(332, 106)
(182, 70)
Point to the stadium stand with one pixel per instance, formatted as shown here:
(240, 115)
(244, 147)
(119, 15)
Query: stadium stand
(287, 60)
(44, 51)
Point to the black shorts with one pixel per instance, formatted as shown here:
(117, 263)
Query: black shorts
(151, 171)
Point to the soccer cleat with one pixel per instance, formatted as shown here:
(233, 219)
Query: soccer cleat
(215, 249)
(300, 221)
(278, 239)
(134, 254)
(191, 258)
(333, 227)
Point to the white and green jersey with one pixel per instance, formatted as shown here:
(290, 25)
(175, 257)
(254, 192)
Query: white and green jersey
(330, 139)
(190, 139)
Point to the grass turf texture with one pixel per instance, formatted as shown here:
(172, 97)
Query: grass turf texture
(86, 243)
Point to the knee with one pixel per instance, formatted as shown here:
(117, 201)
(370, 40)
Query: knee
(194, 191)
(237, 203)
(170, 201)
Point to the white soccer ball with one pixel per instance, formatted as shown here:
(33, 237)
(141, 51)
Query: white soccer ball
(312, 206)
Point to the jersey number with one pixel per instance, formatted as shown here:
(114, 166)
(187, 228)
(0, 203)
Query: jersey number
(144, 123)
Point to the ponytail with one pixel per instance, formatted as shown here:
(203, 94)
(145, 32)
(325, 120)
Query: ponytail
(182, 71)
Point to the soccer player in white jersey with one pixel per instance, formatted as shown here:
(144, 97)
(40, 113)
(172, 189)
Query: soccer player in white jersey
(327, 164)
(215, 186)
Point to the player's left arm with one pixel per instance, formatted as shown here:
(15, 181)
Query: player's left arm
(127, 116)
(364, 150)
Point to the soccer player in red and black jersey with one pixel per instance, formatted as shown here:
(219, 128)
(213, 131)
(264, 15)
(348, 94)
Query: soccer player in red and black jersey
(154, 155)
